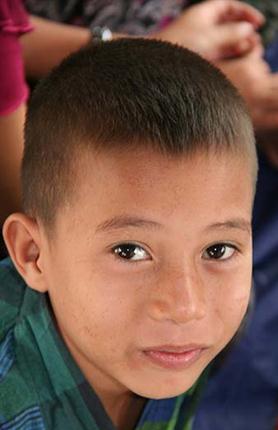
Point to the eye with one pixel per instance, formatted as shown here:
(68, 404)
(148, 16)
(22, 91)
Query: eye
(131, 252)
(219, 251)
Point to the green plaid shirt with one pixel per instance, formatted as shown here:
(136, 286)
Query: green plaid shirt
(42, 388)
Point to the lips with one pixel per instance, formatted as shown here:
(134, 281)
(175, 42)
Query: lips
(174, 357)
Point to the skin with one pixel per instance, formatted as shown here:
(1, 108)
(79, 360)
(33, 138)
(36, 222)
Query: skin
(216, 29)
(11, 148)
(111, 309)
(229, 28)
(257, 85)
(223, 31)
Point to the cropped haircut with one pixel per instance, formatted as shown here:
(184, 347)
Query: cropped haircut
(126, 94)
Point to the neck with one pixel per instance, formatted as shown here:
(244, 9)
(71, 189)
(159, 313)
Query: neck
(124, 411)
(121, 405)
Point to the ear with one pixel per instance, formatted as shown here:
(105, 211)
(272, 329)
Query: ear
(23, 240)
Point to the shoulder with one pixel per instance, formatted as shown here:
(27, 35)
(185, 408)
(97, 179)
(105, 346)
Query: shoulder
(12, 290)
(19, 406)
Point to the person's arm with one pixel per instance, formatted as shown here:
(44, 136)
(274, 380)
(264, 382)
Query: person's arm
(258, 86)
(215, 29)
(49, 43)
(13, 95)
(11, 148)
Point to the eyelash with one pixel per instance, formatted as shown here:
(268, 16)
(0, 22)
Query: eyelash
(227, 246)
(117, 249)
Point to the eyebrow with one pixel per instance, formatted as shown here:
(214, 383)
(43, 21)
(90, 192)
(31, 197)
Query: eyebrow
(236, 223)
(125, 221)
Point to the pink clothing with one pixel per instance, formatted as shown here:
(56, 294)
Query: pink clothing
(13, 23)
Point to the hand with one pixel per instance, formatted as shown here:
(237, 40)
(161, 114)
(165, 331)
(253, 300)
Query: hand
(258, 86)
(216, 29)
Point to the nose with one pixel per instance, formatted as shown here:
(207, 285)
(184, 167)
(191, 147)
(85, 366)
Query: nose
(179, 296)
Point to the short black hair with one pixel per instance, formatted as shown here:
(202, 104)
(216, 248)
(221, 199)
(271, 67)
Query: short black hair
(126, 93)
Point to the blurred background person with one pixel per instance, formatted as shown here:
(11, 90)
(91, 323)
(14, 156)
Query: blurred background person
(13, 95)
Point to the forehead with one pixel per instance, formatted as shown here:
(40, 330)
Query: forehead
(148, 184)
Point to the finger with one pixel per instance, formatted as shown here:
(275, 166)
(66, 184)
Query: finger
(264, 120)
(257, 53)
(239, 47)
(269, 98)
(233, 10)
(236, 39)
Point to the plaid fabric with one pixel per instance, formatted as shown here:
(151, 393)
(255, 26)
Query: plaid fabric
(41, 387)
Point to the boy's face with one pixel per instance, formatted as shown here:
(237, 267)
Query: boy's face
(149, 270)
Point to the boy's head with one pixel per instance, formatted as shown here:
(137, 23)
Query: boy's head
(138, 182)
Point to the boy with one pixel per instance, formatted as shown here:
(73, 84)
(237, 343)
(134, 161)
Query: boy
(135, 242)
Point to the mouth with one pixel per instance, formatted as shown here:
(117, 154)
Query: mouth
(174, 357)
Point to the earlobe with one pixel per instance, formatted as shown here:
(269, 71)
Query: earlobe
(22, 237)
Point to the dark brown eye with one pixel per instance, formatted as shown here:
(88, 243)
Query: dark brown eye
(130, 251)
(219, 251)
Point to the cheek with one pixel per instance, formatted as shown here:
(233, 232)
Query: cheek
(232, 300)
(102, 309)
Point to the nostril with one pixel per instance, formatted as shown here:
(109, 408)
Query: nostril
(179, 296)
(178, 311)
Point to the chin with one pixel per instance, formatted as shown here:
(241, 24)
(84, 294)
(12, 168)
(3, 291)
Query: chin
(166, 387)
